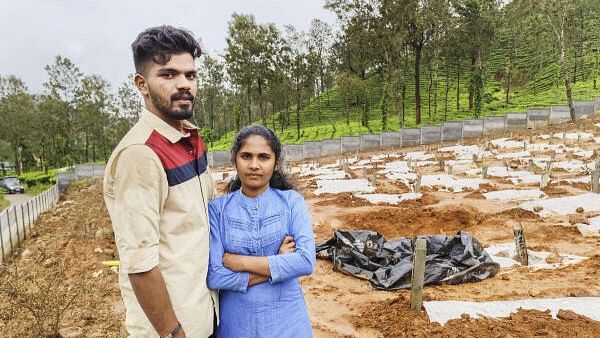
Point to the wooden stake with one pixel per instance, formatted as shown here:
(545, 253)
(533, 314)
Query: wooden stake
(418, 275)
(545, 180)
(596, 181)
(418, 184)
(531, 165)
(521, 247)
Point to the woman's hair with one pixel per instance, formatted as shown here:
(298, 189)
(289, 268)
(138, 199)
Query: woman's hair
(279, 179)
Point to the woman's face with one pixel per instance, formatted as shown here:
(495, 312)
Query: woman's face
(255, 163)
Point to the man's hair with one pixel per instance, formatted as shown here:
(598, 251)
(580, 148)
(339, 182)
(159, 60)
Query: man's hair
(157, 44)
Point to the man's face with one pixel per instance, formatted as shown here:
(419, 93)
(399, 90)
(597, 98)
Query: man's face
(171, 88)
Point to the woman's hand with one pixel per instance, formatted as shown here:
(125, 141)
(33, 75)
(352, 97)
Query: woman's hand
(288, 245)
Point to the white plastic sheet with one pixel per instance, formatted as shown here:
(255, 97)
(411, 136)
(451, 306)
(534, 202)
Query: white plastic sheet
(443, 311)
(564, 205)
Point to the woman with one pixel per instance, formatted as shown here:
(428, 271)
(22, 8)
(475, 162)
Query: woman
(261, 241)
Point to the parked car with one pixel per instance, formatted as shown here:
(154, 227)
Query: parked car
(11, 184)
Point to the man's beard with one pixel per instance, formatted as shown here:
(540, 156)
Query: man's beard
(166, 107)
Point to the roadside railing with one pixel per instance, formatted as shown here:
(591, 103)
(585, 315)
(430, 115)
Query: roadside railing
(16, 221)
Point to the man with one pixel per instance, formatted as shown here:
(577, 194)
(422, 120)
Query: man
(156, 187)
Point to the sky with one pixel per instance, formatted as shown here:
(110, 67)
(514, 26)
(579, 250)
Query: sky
(96, 34)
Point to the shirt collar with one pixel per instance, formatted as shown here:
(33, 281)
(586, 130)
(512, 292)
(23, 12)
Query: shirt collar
(163, 128)
(250, 201)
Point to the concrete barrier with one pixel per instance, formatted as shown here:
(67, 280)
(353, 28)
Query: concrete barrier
(431, 134)
(583, 108)
(350, 143)
(516, 121)
(494, 124)
(221, 158)
(538, 117)
(472, 128)
(332, 147)
(370, 142)
(451, 131)
(293, 152)
(313, 149)
(411, 137)
(559, 114)
(391, 139)
(89, 170)
(209, 159)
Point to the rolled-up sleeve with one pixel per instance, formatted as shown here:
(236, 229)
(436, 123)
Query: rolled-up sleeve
(302, 261)
(219, 277)
(139, 193)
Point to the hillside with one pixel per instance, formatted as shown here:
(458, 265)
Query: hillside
(325, 116)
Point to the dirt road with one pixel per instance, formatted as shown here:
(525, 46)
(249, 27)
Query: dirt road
(17, 199)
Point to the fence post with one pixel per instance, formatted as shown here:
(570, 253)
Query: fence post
(29, 216)
(9, 231)
(17, 223)
(36, 207)
(418, 274)
(1, 238)
(23, 223)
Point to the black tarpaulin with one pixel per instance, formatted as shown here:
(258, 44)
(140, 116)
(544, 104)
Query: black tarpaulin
(387, 264)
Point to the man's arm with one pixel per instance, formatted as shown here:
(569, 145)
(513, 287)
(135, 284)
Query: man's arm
(151, 292)
(139, 190)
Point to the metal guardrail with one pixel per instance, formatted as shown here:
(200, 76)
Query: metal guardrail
(16, 221)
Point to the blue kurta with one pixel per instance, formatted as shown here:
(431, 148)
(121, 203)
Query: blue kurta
(256, 227)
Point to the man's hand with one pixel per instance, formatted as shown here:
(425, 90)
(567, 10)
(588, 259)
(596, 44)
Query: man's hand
(288, 245)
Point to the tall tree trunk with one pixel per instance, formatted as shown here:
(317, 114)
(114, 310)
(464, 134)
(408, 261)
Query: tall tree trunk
(429, 88)
(447, 89)
(574, 65)
(261, 104)
(471, 84)
(565, 70)
(298, 104)
(249, 101)
(384, 100)
(458, 84)
(478, 83)
(418, 48)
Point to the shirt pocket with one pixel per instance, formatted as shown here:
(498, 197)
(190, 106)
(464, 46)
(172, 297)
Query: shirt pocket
(237, 232)
(272, 230)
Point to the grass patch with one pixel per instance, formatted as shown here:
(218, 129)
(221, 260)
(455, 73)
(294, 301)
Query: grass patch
(3, 201)
(325, 117)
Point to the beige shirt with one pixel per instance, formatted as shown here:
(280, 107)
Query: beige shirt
(156, 187)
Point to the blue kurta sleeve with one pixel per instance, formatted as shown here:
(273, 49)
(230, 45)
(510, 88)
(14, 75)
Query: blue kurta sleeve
(220, 277)
(301, 262)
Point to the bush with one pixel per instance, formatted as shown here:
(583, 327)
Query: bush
(37, 178)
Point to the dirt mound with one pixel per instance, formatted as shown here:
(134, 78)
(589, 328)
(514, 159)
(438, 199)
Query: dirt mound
(395, 318)
(391, 187)
(60, 267)
(555, 191)
(409, 222)
(475, 195)
(517, 214)
(346, 199)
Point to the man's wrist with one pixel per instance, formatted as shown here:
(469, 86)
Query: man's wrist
(174, 332)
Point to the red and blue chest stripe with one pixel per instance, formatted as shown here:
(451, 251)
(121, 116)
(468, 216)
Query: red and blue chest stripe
(183, 160)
